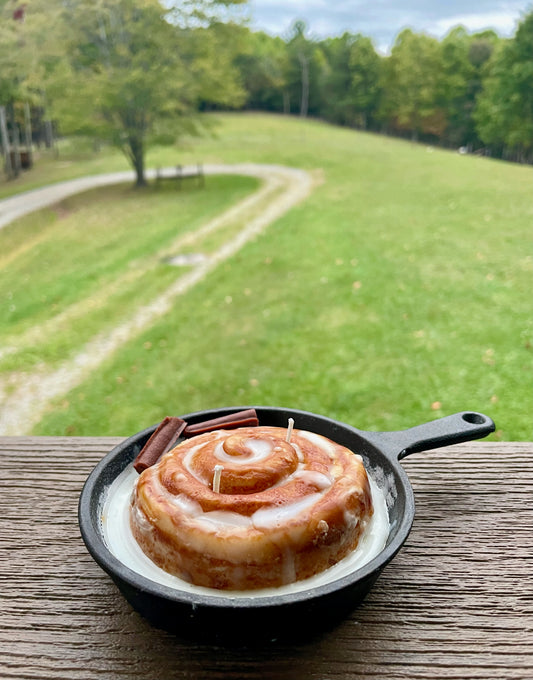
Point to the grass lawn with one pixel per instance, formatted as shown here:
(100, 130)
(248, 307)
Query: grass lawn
(400, 291)
(91, 260)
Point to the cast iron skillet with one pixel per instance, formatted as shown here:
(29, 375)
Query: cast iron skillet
(288, 615)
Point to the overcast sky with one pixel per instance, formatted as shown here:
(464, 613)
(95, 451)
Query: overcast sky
(382, 20)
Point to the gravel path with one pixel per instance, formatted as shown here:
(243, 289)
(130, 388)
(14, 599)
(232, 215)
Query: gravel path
(24, 398)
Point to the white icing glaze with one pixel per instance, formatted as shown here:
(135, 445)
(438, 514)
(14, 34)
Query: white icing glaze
(259, 450)
(278, 516)
(186, 505)
(221, 518)
(318, 479)
(298, 450)
(319, 441)
(187, 462)
(120, 541)
(266, 518)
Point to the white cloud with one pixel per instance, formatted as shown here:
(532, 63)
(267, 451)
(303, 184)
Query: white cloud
(382, 20)
(502, 22)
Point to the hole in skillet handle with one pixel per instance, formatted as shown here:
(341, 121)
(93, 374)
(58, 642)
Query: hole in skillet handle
(459, 427)
(474, 418)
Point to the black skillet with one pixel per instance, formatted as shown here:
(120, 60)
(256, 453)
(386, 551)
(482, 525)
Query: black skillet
(286, 615)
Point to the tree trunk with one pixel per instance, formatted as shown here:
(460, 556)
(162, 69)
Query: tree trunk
(137, 159)
(4, 143)
(28, 135)
(304, 102)
(48, 134)
(16, 148)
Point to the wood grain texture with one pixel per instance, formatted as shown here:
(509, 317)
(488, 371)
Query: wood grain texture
(456, 602)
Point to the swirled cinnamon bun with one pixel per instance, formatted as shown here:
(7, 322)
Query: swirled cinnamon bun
(245, 509)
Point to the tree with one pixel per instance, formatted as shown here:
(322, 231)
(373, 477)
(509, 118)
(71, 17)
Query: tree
(463, 57)
(336, 80)
(262, 64)
(9, 39)
(364, 90)
(411, 81)
(454, 94)
(28, 50)
(302, 68)
(134, 71)
(350, 83)
(504, 112)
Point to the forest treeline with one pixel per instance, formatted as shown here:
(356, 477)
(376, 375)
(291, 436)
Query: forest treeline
(473, 91)
(135, 73)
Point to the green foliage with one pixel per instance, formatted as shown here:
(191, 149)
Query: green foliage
(351, 79)
(304, 66)
(505, 107)
(455, 93)
(128, 72)
(135, 73)
(365, 67)
(426, 89)
(262, 63)
(410, 96)
(28, 50)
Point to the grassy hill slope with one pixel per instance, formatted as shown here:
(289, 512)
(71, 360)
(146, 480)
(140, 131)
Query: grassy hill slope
(397, 293)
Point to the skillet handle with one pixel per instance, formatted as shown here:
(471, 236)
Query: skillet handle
(460, 427)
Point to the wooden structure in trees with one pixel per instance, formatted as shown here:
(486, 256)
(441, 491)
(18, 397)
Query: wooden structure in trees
(17, 153)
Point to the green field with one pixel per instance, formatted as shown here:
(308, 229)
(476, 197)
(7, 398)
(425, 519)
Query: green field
(400, 291)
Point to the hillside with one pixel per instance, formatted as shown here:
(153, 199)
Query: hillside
(399, 291)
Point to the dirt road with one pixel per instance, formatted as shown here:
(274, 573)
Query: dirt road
(25, 397)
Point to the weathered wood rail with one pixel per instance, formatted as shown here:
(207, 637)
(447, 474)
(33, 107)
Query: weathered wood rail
(456, 602)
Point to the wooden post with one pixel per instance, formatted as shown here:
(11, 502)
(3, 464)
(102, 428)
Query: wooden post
(4, 139)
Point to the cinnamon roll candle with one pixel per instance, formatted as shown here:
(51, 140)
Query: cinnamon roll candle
(280, 511)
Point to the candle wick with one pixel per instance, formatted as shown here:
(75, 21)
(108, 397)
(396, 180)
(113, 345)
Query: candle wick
(216, 478)
(289, 429)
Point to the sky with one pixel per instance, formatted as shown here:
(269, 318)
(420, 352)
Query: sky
(382, 20)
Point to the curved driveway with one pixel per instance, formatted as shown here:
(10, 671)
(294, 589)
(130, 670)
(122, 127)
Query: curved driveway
(25, 398)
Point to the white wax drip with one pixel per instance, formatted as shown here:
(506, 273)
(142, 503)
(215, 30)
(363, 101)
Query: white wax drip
(119, 539)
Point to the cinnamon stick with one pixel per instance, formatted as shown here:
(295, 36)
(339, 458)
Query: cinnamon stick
(246, 418)
(172, 428)
(162, 440)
